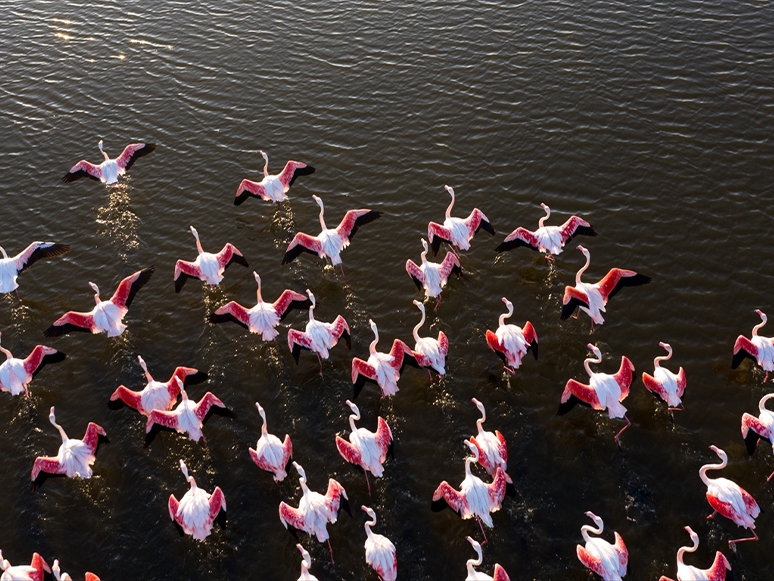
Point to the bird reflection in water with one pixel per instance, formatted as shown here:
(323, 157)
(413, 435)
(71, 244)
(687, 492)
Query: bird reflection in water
(117, 222)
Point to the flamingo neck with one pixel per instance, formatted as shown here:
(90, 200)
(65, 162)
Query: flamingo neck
(582, 270)
(6, 352)
(764, 399)
(304, 487)
(199, 248)
(322, 219)
(423, 256)
(372, 346)
(61, 431)
(703, 470)
(468, 461)
(311, 313)
(658, 360)
(451, 205)
(3, 251)
(258, 292)
(419, 326)
(755, 330)
(587, 363)
(475, 562)
(148, 376)
(266, 166)
(507, 315)
(368, 525)
(586, 529)
(264, 428)
(683, 550)
(544, 218)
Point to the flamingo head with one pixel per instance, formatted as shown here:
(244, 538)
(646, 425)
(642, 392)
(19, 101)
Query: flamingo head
(694, 536)
(721, 454)
(424, 245)
(354, 408)
(4, 563)
(306, 558)
(476, 547)
(546, 209)
(584, 250)
(450, 190)
(419, 305)
(480, 407)
(301, 473)
(262, 412)
(761, 314)
(509, 306)
(194, 232)
(370, 512)
(142, 363)
(473, 449)
(595, 350)
(666, 346)
(95, 288)
(100, 146)
(264, 156)
(52, 416)
(181, 385)
(56, 570)
(318, 200)
(596, 519)
(257, 278)
(311, 298)
(373, 328)
(184, 470)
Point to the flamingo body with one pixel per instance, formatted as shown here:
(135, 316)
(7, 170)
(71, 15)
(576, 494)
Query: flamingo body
(511, 342)
(457, 232)
(690, 573)
(758, 348)
(608, 560)
(365, 448)
(272, 188)
(110, 169)
(35, 571)
(384, 369)
(667, 385)
(548, 240)
(433, 276)
(492, 449)
(270, 453)
(380, 553)
(761, 427)
(16, 374)
(197, 510)
(187, 417)
(471, 564)
(429, 352)
(75, 457)
(314, 510)
(12, 266)
(207, 267)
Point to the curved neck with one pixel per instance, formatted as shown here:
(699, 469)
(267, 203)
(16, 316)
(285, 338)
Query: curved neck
(468, 461)
(311, 312)
(304, 487)
(352, 419)
(368, 525)
(264, 428)
(583, 269)
(322, 219)
(198, 244)
(661, 358)
(590, 360)
(759, 326)
(451, 204)
(372, 346)
(480, 421)
(544, 218)
(507, 315)
(419, 325)
(586, 529)
(422, 256)
(6, 352)
(266, 165)
(258, 292)
(682, 550)
(6, 255)
(703, 470)
(764, 399)
(475, 562)
(61, 431)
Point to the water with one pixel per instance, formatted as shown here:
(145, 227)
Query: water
(650, 120)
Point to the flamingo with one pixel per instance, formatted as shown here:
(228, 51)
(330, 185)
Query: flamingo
(592, 298)
(604, 391)
(365, 448)
(108, 171)
(314, 510)
(106, 316)
(187, 417)
(263, 317)
(157, 395)
(331, 241)
(492, 449)
(306, 563)
(16, 374)
(272, 188)
(473, 575)
(549, 240)
(207, 266)
(428, 352)
(384, 369)
(457, 232)
(318, 337)
(59, 576)
(12, 266)
(270, 453)
(759, 428)
(665, 384)
(32, 572)
(729, 499)
(475, 498)
(75, 457)
(690, 573)
(379, 551)
(606, 559)
(511, 342)
(760, 349)
(196, 511)
(433, 276)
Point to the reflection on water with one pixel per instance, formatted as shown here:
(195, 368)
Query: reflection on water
(283, 226)
(117, 222)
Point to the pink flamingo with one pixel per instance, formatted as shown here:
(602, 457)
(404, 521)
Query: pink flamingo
(16, 374)
(264, 317)
(475, 498)
(196, 511)
(492, 449)
(157, 395)
(270, 453)
(106, 316)
(207, 266)
(12, 266)
(318, 337)
(384, 369)
(75, 457)
(604, 391)
(759, 428)
(729, 499)
(272, 188)
(428, 352)
(433, 276)
(108, 171)
(665, 384)
(471, 564)
(457, 232)
(379, 551)
(607, 560)
(511, 342)
(32, 572)
(306, 564)
(549, 240)
(690, 573)
(760, 349)
(365, 448)
(187, 417)
(59, 576)
(592, 298)
(314, 510)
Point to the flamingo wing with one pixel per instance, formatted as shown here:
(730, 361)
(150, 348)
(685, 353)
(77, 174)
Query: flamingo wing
(230, 254)
(183, 271)
(502, 447)
(681, 382)
(292, 170)
(478, 221)
(450, 265)
(290, 300)
(623, 552)
(69, 322)
(173, 505)
(204, 405)
(500, 574)
(652, 385)
(437, 234)
(40, 566)
(749, 503)
(302, 243)
(495, 344)
(591, 561)
(341, 329)
(443, 344)
(530, 336)
(585, 393)
(298, 340)
(353, 220)
(188, 375)
(361, 372)
(383, 436)
(617, 279)
(40, 357)
(37, 251)
(249, 188)
(91, 437)
(753, 430)
(624, 377)
(131, 398)
(217, 502)
(415, 273)
(333, 496)
(231, 312)
(719, 566)
(573, 298)
(575, 226)
(130, 286)
(291, 516)
(519, 237)
(397, 352)
(497, 489)
(90, 577)
(453, 498)
(743, 347)
(83, 169)
(349, 452)
(132, 153)
(49, 464)
(162, 418)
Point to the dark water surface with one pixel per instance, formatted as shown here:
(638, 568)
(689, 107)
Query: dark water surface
(652, 120)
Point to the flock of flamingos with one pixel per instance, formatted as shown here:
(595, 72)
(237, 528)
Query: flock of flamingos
(196, 511)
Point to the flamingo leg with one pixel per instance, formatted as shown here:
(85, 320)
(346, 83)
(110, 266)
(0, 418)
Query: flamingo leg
(330, 549)
(368, 484)
(752, 538)
(438, 303)
(618, 435)
(677, 409)
(482, 531)
(550, 258)
(770, 475)
(765, 379)
(430, 373)
(712, 515)
(320, 360)
(341, 266)
(509, 370)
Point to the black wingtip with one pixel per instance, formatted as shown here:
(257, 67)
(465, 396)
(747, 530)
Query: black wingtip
(534, 346)
(239, 199)
(347, 339)
(196, 378)
(751, 441)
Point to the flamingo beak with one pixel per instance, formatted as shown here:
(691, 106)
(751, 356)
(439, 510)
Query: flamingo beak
(590, 347)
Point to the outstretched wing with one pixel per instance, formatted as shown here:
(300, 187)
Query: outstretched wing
(478, 221)
(188, 375)
(500, 574)
(618, 278)
(298, 340)
(361, 372)
(383, 436)
(205, 404)
(36, 251)
(353, 220)
(530, 336)
(249, 188)
(83, 169)
(743, 347)
(69, 322)
(291, 516)
(575, 226)
(231, 312)
(129, 287)
(437, 234)
(341, 329)
(292, 170)
(450, 265)
(40, 357)
(585, 393)
(183, 271)
(301, 243)
(519, 237)
(415, 273)
(290, 300)
(573, 298)
(230, 254)
(453, 498)
(333, 496)
(133, 152)
(624, 377)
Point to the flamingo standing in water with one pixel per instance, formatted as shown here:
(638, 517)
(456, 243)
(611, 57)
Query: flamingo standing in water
(331, 241)
(729, 499)
(428, 352)
(549, 240)
(106, 316)
(384, 369)
(607, 560)
(32, 572)
(207, 266)
(604, 391)
(108, 171)
(272, 188)
(760, 349)
(16, 374)
(365, 448)
(157, 395)
(12, 266)
(75, 457)
(457, 232)
(196, 511)
(314, 510)
(592, 298)
(379, 551)
(187, 417)
(690, 573)
(59, 576)
(492, 449)
(318, 337)
(471, 564)
(433, 276)
(665, 384)
(306, 564)
(264, 317)
(754, 428)
(511, 342)
(475, 498)
(270, 453)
